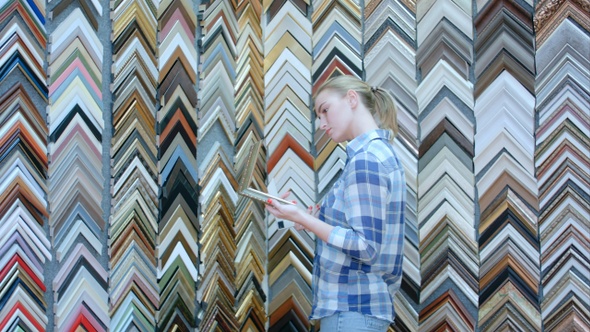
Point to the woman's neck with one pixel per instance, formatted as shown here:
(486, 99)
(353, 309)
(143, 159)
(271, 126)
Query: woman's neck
(362, 123)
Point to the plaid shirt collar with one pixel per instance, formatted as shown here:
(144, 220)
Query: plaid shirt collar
(359, 142)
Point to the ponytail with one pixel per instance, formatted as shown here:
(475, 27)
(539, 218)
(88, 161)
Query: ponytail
(377, 100)
(384, 110)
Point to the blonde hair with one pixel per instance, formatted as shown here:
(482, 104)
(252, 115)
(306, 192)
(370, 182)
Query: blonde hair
(377, 100)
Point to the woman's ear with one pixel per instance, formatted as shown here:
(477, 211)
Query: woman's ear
(353, 98)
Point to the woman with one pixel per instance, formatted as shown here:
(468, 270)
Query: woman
(359, 230)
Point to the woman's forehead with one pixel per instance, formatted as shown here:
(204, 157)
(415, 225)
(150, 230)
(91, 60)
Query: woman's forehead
(324, 95)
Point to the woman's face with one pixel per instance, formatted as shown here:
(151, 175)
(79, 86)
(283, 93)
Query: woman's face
(335, 114)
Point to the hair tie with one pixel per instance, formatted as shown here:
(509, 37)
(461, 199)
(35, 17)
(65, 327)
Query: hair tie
(374, 89)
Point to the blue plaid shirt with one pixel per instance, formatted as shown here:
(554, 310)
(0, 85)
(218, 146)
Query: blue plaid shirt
(360, 267)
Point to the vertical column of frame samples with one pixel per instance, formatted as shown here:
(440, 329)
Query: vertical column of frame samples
(133, 289)
(217, 180)
(178, 224)
(504, 167)
(24, 245)
(446, 213)
(390, 63)
(76, 180)
(337, 50)
(288, 133)
(446, 193)
(250, 229)
(24, 242)
(562, 161)
(337, 40)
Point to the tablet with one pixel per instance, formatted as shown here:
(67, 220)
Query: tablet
(262, 196)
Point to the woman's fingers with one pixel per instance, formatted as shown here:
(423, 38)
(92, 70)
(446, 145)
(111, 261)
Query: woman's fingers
(285, 211)
(270, 207)
(314, 210)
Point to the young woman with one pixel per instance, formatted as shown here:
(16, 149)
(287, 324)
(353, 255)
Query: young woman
(360, 226)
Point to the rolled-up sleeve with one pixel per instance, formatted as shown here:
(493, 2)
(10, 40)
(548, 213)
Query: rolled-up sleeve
(367, 189)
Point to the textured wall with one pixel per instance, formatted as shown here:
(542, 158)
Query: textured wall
(125, 128)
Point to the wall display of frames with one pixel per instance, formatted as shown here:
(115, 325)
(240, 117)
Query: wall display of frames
(126, 129)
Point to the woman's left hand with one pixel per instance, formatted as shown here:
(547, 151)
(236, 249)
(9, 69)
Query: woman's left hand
(307, 221)
(285, 211)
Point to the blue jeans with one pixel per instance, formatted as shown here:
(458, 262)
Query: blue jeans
(352, 321)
